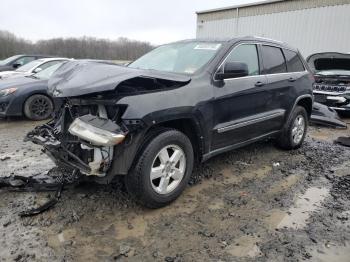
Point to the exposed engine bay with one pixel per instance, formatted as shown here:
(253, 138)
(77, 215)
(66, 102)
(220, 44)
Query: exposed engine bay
(82, 136)
(332, 79)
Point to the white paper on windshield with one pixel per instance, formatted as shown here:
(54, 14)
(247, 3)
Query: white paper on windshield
(207, 46)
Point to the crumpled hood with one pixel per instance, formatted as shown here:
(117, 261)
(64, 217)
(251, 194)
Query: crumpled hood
(329, 61)
(78, 78)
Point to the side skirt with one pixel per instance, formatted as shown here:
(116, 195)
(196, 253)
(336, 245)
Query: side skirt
(238, 145)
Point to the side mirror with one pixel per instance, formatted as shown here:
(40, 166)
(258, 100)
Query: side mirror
(16, 65)
(37, 70)
(233, 70)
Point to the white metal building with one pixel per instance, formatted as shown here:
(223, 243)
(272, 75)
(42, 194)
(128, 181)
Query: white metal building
(310, 25)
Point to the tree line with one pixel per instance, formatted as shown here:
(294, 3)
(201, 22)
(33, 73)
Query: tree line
(83, 47)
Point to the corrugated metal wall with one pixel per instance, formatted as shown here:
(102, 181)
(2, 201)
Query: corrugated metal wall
(311, 30)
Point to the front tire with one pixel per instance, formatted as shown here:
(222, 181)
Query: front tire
(162, 169)
(294, 132)
(38, 107)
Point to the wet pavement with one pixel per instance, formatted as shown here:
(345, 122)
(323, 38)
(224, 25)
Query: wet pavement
(258, 203)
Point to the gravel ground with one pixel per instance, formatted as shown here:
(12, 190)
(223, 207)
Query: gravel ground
(257, 203)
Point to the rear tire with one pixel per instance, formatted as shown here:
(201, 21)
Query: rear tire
(294, 132)
(38, 107)
(162, 170)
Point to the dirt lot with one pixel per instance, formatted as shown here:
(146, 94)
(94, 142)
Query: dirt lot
(254, 204)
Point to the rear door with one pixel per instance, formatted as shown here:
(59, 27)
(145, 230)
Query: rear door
(280, 82)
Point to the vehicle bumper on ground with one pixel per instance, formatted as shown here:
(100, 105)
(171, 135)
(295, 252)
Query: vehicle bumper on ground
(335, 100)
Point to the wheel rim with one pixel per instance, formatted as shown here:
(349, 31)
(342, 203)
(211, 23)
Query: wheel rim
(298, 129)
(40, 107)
(168, 169)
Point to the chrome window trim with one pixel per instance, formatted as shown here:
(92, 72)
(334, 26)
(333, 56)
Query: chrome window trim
(250, 122)
(261, 44)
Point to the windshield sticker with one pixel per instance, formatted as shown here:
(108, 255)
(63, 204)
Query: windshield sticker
(206, 46)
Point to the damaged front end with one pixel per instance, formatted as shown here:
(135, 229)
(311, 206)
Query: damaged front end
(89, 132)
(332, 79)
(82, 136)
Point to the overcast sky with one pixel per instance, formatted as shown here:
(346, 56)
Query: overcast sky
(155, 21)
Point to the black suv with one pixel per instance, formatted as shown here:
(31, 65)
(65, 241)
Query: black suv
(176, 106)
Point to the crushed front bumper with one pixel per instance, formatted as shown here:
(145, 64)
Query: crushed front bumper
(84, 142)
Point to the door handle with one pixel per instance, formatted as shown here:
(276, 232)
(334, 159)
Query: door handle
(257, 84)
(291, 79)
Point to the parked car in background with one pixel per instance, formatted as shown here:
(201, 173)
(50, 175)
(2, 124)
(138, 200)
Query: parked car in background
(27, 95)
(32, 67)
(178, 105)
(16, 61)
(332, 79)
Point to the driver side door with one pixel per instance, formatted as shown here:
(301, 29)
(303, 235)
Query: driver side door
(241, 104)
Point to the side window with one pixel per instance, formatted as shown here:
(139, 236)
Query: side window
(273, 60)
(247, 54)
(24, 60)
(48, 64)
(294, 63)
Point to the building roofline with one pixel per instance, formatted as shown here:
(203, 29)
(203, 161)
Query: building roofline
(238, 6)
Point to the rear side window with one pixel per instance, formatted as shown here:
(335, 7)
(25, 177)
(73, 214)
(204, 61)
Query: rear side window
(247, 54)
(273, 60)
(294, 63)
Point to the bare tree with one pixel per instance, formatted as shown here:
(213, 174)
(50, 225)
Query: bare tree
(84, 47)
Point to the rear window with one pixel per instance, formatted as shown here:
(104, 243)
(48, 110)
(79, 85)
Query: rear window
(273, 60)
(294, 63)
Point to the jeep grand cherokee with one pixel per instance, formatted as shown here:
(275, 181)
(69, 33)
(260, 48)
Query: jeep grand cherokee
(175, 107)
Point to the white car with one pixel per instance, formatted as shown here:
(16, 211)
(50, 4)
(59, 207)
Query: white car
(32, 67)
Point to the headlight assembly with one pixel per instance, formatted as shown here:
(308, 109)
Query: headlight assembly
(84, 128)
(7, 91)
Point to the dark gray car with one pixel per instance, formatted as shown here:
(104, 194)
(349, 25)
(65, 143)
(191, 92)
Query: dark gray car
(27, 95)
(16, 61)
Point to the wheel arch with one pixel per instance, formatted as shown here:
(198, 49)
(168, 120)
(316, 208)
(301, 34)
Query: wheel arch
(305, 101)
(187, 125)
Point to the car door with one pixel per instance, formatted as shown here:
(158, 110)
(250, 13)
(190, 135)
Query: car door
(280, 82)
(298, 75)
(240, 104)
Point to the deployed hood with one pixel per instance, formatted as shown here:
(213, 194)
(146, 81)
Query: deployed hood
(329, 61)
(78, 78)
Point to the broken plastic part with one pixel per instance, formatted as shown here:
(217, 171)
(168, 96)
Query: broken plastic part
(323, 115)
(49, 204)
(344, 141)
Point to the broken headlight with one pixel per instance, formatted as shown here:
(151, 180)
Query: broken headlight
(98, 131)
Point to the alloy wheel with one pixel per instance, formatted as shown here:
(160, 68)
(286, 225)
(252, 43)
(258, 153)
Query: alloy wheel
(298, 129)
(168, 169)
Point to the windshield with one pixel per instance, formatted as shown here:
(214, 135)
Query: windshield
(28, 66)
(46, 73)
(185, 57)
(8, 60)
